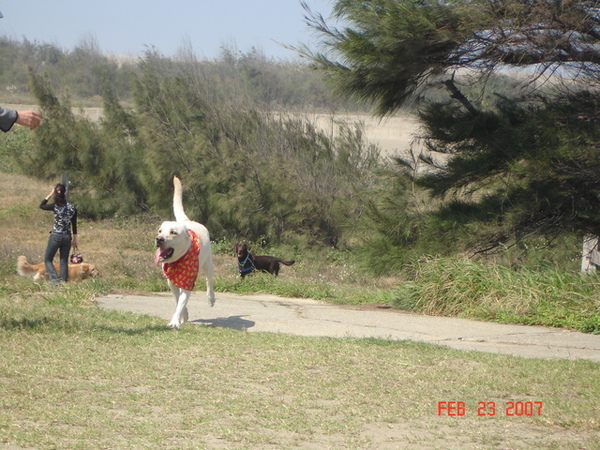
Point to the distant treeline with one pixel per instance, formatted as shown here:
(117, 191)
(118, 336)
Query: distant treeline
(80, 73)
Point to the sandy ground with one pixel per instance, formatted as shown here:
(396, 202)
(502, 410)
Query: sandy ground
(393, 135)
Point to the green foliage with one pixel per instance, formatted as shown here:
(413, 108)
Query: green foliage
(100, 160)
(246, 173)
(14, 143)
(467, 288)
(511, 167)
(529, 168)
(515, 169)
(387, 50)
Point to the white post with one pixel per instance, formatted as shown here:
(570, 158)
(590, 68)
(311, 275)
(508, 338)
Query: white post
(589, 255)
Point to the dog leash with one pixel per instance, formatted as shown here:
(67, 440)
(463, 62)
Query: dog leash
(242, 264)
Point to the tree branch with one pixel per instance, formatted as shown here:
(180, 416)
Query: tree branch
(456, 94)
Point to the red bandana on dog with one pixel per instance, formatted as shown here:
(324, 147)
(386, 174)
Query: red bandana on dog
(183, 272)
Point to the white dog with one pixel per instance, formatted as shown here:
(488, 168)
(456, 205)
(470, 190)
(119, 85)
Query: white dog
(183, 249)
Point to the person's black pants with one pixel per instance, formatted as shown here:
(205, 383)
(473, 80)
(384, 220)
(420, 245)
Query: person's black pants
(58, 242)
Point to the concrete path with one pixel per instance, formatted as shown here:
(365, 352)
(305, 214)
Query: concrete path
(313, 318)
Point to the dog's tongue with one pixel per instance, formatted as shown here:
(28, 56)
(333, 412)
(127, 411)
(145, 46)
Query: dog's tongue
(159, 254)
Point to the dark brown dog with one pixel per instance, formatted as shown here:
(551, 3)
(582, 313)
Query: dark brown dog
(248, 263)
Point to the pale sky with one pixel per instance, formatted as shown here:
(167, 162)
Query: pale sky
(129, 27)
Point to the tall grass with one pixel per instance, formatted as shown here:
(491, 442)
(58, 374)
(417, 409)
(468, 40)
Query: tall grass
(467, 288)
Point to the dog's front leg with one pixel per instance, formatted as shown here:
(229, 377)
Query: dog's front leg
(181, 312)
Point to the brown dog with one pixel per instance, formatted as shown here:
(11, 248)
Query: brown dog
(248, 263)
(37, 272)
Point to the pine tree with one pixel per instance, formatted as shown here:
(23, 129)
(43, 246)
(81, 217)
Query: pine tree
(517, 165)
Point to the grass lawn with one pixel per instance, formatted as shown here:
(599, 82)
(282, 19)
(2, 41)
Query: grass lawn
(75, 376)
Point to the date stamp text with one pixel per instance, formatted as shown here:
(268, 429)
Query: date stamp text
(490, 409)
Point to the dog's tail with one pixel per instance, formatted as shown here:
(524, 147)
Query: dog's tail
(287, 263)
(22, 264)
(180, 215)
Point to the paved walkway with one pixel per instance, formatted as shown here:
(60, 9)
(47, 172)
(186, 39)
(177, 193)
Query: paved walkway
(313, 318)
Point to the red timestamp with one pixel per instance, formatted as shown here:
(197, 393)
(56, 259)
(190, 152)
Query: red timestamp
(490, 409)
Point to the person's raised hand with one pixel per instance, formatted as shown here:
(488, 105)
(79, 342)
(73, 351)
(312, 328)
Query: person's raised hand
(29, 119)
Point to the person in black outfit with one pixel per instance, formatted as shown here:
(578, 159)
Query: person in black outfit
(65, 219)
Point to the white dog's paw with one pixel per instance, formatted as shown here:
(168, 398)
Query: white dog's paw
(175, 323)
(211, 300)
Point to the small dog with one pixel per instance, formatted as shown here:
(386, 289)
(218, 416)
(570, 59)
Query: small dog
(183, 247)
(248, 263)
(37, 272)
